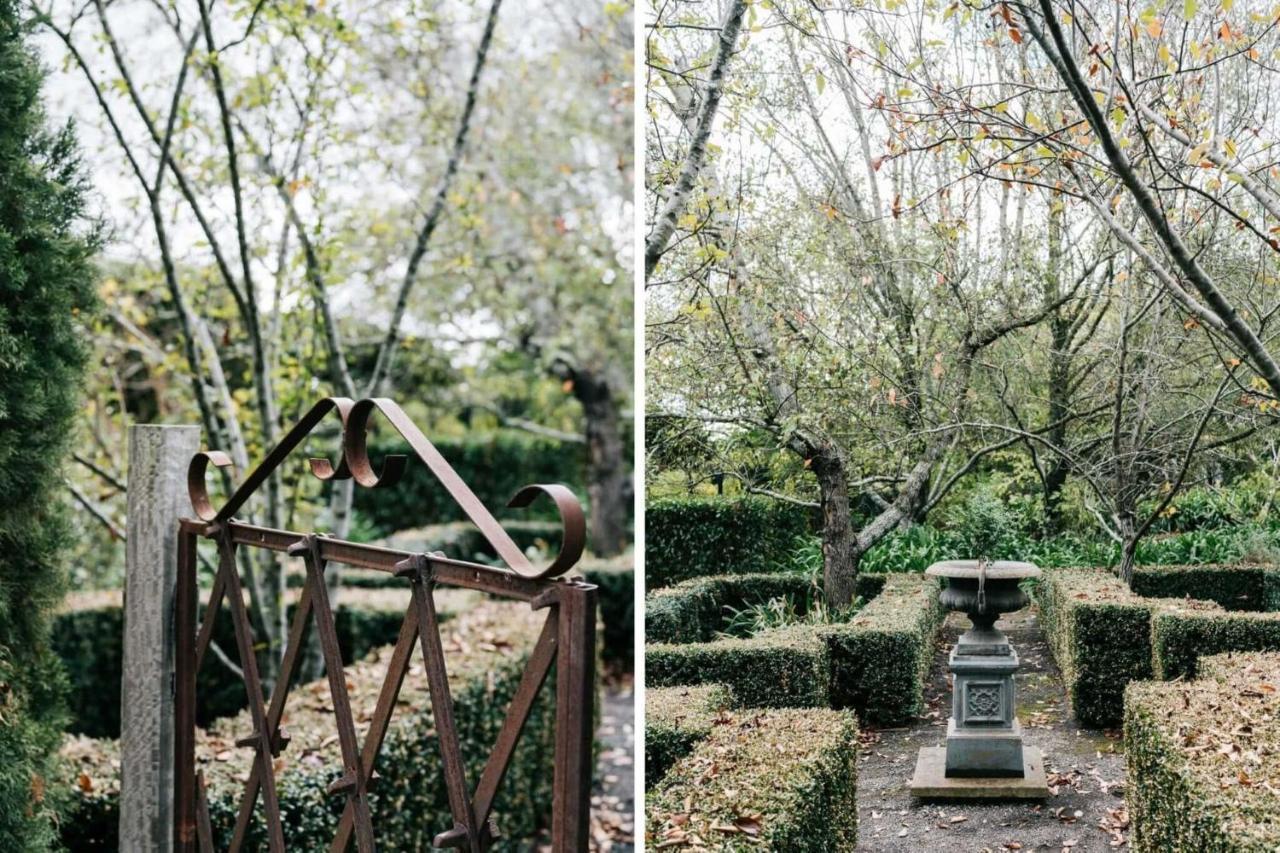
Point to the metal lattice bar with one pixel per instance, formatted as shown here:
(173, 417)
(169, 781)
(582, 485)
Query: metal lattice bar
(567, 639)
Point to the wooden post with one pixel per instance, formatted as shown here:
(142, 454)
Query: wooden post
(158, 459)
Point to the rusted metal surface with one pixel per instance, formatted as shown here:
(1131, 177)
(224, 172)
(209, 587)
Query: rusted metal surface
(567, 640)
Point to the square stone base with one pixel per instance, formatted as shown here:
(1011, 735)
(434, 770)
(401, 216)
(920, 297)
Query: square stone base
(932, 783)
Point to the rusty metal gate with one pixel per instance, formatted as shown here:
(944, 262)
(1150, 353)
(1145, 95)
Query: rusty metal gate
(567, 639)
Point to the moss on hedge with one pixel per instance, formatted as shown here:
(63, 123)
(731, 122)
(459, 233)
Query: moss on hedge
(781, 668)
(1100, 634)
(693, 537)
(675, 719)
(880, 659)
(1234, 586)
(772, 780)
(486, 649)
(1204, 758)
(693, 611)
(1179, 639)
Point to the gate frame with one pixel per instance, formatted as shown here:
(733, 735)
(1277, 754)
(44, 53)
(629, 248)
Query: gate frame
(567, 639)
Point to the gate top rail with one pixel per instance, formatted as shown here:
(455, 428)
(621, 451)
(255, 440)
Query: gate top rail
(355, 463)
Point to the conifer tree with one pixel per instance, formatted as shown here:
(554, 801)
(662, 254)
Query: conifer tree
(47, 241)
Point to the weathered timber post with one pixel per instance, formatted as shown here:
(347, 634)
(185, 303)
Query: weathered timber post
(158, 459)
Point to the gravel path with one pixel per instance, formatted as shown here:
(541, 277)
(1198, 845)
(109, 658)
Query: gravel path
(1085, 812)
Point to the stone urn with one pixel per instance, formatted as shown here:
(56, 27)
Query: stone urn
(984, 755)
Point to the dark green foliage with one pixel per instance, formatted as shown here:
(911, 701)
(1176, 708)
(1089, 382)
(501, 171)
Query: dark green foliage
(879, 660)
(1188, 787)
(786, 667)
(617, 603)
(494, 466)
(46, 283)
(88, 641)
(1235, 587)
(1100, 634)
(867, 586)
(675, 719)
(691, 537)
(1178, 640)
(410, 804)
(693, 611)
(794, 772)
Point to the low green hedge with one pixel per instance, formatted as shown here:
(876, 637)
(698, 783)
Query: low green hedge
(1196, 753)
(784, 667)
(675, 719)
(693, 611)
(410, 804)
(879, 661)
(616, 580)
(1234, 586)
(1100, 635)
(88, 634)
(771, 780)
(1178, 640)
(692, 537)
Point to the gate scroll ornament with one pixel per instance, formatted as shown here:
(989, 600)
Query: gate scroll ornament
(567, 639)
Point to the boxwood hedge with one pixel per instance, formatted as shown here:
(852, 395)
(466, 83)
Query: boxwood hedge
(1234, 586)
(693, 611)
(1198, 753)
(692, 537)
(486, 649)
(1100, 634)
(880, 660)
(779, 668)
(675, 719)
(1178, 640)
(763, 780)
(88, 634)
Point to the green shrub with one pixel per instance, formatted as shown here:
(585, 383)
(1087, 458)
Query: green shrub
(1179, 639)
(774, 780)
(1194, 751)
(89, 630)
(776, 669)
(410, 803)
(693, 537)
(1235, 587)
(495, 466)
(1100, 635)
(880, 660)
(693, 611)
(617, 601)
(675, 719)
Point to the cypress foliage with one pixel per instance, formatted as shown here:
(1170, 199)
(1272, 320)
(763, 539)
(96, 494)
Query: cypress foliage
(46, 281)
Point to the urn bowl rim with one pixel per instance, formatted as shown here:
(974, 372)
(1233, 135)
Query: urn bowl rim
(997, 570)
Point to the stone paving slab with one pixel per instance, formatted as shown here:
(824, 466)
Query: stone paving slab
(1085, 810)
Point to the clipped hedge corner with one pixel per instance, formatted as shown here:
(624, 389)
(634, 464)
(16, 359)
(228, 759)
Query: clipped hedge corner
(1234, 586)
(782, 668)
(771, 780)
(1179, 639)
(691, 537)
(1202, 756)
(881, 658)
(1100, 634)
(486, 649)
(693, 611)
(675, 719)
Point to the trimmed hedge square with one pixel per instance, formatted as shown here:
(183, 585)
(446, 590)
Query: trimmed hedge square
(1178, 640)
(1202, 757)
(693, 611)
(486, 650)
(675, 719)
(772, 780)
(782, 668)
(693, 537)
(1100, 634)
(880, 659)
(1234, 586)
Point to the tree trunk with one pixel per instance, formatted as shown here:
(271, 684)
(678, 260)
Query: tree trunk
(608, 482)
(1127, 528)
(839, 543)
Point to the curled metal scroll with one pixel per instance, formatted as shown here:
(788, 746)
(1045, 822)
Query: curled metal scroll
(355, 463)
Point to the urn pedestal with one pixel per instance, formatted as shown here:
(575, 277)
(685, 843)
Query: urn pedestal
(984, 754)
